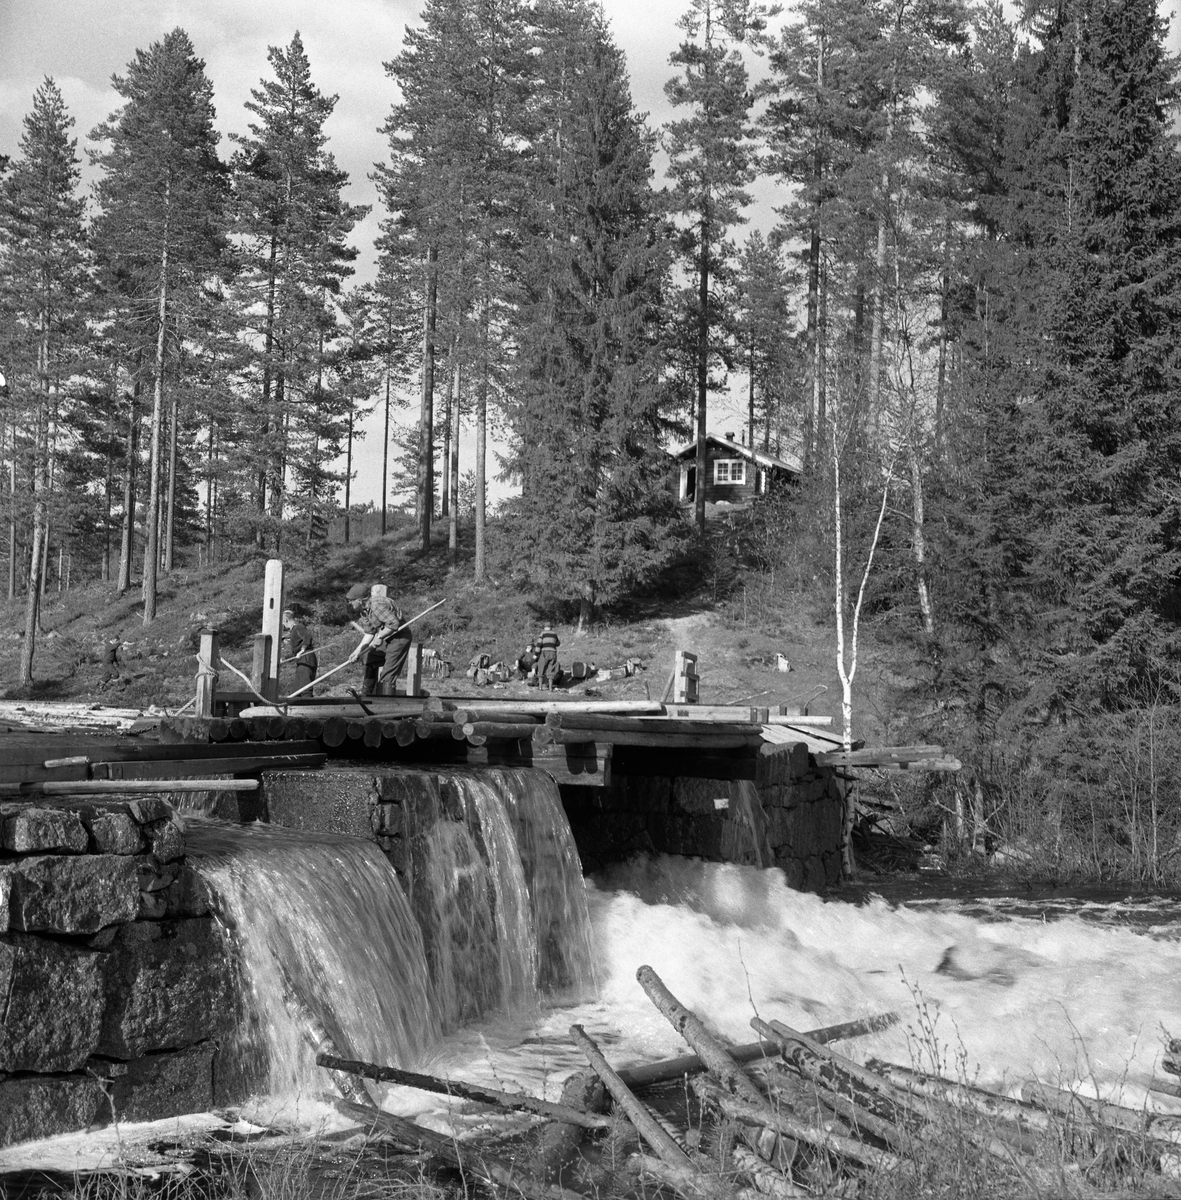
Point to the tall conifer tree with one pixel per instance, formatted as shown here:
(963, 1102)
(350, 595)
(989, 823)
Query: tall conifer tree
(596, 511)
(43, 271)
(161, 228)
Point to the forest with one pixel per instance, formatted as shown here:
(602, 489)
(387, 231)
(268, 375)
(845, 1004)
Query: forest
(963, 324)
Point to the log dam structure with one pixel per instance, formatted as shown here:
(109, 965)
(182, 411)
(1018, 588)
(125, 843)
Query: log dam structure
(123, 954)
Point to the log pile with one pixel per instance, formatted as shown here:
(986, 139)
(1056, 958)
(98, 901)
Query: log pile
(786, 1117)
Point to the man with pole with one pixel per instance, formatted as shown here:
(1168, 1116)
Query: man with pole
(385, 639)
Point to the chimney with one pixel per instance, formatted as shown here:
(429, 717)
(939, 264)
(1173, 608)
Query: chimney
(729, 437)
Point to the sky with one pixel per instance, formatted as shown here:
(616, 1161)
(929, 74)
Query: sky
(82, 43)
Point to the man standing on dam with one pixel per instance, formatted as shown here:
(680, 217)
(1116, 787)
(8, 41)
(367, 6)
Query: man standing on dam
(385, 641)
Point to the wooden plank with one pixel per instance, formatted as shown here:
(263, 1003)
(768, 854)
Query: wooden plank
(208, 766)
(24, 760)
(98, 787)
(659, 741)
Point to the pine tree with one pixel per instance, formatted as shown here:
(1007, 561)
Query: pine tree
(596, 511)
(293, 222)
(710, 166)
(161, 228)
(44, 268)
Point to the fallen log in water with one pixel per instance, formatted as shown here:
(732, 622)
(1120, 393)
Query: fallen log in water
(520, 1101)
(780, 1121)
(1027, 1117)
(1161, 1127)
(690, 1064)
(439, 1145)
(841, 1074)
(649, 1129)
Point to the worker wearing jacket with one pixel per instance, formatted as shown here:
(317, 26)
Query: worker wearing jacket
(385, 642)
(547, 664)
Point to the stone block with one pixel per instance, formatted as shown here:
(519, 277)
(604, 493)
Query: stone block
(187, 894)
(41, 830)
(330, 801)
(167, 986)
(166, 839)
(165, 1085)
(814, 874)
(702, 797)
(57, 894)
(146, 809)
(44, 1107)
(113, 832)
(793, 870)
(53, 1004)
(408, 788)
(388, 820)
(6, 873)
(638, 793)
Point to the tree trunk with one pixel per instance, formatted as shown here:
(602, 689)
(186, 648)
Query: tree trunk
(170, 507)
(482, 419)
(267, 384)
(426, 419)
(12, 521)
(348, 479)
(919, 540)
(127, 547)
(702, 369)
(152, 517)
(453, 464)
(385, 437)
(812, 433)
(39, 486)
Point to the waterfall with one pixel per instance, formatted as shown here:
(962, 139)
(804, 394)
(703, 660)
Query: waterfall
(330, 947)
(500, 894)
(320, 926)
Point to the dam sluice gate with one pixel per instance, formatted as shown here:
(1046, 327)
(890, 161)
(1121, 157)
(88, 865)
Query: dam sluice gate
(161, 957)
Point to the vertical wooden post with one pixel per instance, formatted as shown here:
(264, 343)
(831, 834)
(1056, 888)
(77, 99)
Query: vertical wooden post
(258, 667)
(272, 626)
(414, 670)
(685, 678)
(207, 660)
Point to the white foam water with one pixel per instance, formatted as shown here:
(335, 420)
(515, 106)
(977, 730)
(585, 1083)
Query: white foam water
(994, 997)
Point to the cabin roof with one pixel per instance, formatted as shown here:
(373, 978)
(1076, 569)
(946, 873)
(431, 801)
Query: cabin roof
(759, 457)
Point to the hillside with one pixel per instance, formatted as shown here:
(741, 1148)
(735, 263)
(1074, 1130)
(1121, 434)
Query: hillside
(737, 639)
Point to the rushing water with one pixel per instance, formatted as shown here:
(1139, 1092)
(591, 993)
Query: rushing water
(326, 942)
(1078, 992)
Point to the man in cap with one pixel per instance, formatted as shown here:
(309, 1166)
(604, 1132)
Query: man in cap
(384, 641)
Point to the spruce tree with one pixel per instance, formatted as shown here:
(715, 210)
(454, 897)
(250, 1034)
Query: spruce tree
(596, 515)
(161, 225)
(44, 271)
(710, 164)
(293, 223)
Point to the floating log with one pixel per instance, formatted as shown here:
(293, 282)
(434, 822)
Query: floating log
(560, 1142)
(335, 731)
(466, 1091)
(690, 1064)
(424, 728)
(781, 1122)
(690, 1026)
(456, 1154)
(963, 1095)
(652, 1132)
(837, 1072)
(1163, 1127)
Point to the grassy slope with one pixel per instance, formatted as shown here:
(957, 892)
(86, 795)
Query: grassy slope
(736, 637)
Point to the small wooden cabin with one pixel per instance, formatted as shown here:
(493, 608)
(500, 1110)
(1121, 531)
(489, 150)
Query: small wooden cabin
(735, 472)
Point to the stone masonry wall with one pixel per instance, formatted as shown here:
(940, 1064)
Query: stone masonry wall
(790, 817)
(114, 983)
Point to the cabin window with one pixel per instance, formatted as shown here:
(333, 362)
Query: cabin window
(729, 470)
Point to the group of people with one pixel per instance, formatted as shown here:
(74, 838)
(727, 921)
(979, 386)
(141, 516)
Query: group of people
(382, 650)
(385, 645)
